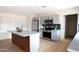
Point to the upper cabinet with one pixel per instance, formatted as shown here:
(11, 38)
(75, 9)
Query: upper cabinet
(55, 19)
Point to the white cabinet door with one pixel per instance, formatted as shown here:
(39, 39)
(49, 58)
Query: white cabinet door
(55, 35)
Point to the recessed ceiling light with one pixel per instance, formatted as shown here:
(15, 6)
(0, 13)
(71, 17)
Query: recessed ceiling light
(44, 6)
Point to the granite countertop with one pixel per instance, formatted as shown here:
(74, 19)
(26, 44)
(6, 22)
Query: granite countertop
(74, 45)
(24, 33)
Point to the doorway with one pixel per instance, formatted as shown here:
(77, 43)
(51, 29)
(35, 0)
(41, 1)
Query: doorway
(70, 25)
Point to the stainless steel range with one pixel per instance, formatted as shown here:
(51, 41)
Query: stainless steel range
(49, 28)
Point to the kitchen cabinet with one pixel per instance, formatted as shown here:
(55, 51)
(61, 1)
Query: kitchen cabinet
(22, 42)
(55, 35)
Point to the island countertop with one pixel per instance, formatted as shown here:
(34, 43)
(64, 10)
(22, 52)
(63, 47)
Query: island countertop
(24, 33)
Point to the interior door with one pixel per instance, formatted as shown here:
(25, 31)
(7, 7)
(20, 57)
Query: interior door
(70, 25)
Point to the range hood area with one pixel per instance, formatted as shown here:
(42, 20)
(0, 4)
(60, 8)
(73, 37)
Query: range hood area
(49, 25)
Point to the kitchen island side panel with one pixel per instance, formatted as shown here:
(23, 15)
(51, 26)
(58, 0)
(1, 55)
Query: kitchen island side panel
(21, 42)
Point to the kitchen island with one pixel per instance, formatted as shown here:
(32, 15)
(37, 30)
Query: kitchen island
(26, 41)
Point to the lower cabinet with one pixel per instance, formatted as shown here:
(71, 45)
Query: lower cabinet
(21, 42)
(55, 35)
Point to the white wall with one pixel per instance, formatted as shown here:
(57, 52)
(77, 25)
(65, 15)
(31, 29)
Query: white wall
(11, 21)
(29, 22)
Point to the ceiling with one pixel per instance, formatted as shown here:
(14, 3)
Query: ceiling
(34, 7)
(30, 10)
